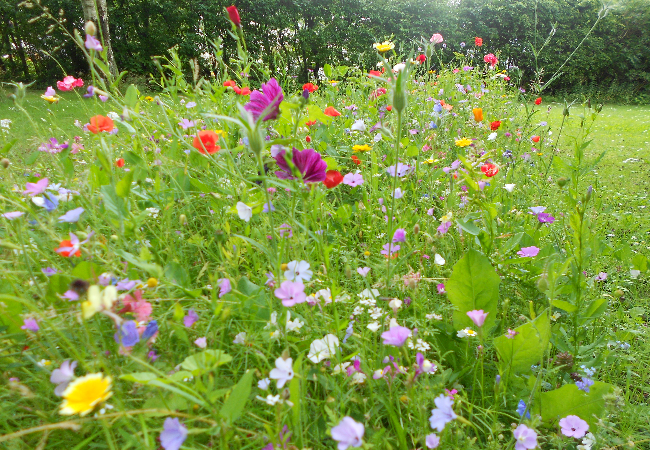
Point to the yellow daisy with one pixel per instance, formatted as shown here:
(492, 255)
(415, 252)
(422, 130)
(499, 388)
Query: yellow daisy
(464, 142)
(361, 148)
(430, 161)
(384, 47)
(149, 98)
(50, 99)
(83, 394)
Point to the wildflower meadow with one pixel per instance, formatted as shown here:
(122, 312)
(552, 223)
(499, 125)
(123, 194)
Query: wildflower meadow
(418, 255)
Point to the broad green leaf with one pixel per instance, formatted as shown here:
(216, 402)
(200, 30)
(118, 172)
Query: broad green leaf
(526, 348)
(565, 306)
(139, 377)
(152, 269)
(473, 284)
(234, 406)
(124, 185)
(87, 270)
(468, 227)
(5, 149)
(246, 287)
(315, 113)
(327, 68)
(131, 97)
(595, 310)
(640, 262)
(205, 361)
(567, 400)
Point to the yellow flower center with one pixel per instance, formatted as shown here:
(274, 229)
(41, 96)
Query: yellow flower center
(83, 394)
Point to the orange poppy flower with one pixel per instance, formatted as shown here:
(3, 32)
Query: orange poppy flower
(495, 125)
(478, 114)
(389, 108)
(64, 244)
(120, 162)
(330, 111)
(229, 83)
(101, 123)
(478, 41)
(374, 73)
(310, 123)
(538, 101)
(310, 87)
(332, 178)
(489, 169)
(356, 160)
(535, 138)
(206, 140)
(242, 91)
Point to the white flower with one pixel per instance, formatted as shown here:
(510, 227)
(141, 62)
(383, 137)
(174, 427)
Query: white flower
(509, 187)
(358, 310)
(634, 274)
(377, 137)
(340, 368)
(398, 193)
(264, 384)
(270, 399)
(273, 322)
(393, 323)
(152, 212)
(399, 67)
(373, 326)
(240, 338)
(298, 271)
(283, 371)
(433, 316)
(113, 115)
(439, 260)
(419, 345)
(322, 349)
(395, 304)
(358, 378)
(587, 442)
(368, 293)
(358, 125)
(293, 325)
(461, 334)
(492, 136)
(325, 294)
(376, 313)
(244, 211)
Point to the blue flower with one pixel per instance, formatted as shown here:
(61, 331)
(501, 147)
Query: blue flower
(128, 334)
(150, 330)
(173, 434)
(522, 409)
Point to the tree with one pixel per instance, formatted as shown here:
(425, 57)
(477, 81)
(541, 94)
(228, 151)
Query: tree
(96, 11)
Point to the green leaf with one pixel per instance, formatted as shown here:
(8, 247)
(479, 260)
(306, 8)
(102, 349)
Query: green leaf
(234, 406)
(205, 361)
(473, 284)
(468, 227)
(328, 70)
(139, 377)
(331, 163)
(564, 306)
(595, 310)
(124, 185)
(87, 270)
(569, 400)
(526, 348)
(153, 269)
(112, 202)
(640, 262)
(131, 96)
(5, 149)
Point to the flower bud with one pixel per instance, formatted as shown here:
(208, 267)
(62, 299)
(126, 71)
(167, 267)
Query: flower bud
(90, 28)
(4, 162)
(542, 283)
(399, 93)
(182, 219)
(416, 228)
(152, 282)
(348, 271)
(562, 181)
(618, 293)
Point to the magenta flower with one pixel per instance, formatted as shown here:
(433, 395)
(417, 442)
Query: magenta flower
(62, 376)
(36, 188)
(173, 434)
(266, 101)
(574, 426)
(309, 163)
(389, 249)
(444, 227)
(291, 293)
(528, 252)
(526, 438)
(545, 218)
(224, 286)
(511, 333)
(353, 179)
(190, 319)
(602, 276)
(400, 235)
(396, 336)
(478, 317)
(92, 43)
(70, 295)
(441, 288)
(348, 433)
(30, 324)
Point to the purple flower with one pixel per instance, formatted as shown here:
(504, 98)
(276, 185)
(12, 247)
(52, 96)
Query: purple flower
(152, 355)
(400, 235)
(173, 434)
(574, 426)
(309, 163)
(90, 91)
(363, 271)
(267, 101)
(127, 334)
(92, 43)
(291, 293)
(190, 318)
(72, 215)
(602, 276)
(510, 334)
(48, 271)
(545, 218)
(201, 342)
(190, 105)
(285, 230)
(432, 440)
(441, 288)
(62, 376)
(584, 384)
(30, 324)
(12, 215)
(444, 227)
(186, 123)
(399, 169)
(396, 336)
(353, 179)
(478, 317)
(389, 249)
(525, 437)
(348, 433)
(150, 330)
(103, 98)
(70, 295)
(125, 284)
(522, 409)
(224, 286)
(53, 146)
(36, 188)
(443, 414)
(528, 252)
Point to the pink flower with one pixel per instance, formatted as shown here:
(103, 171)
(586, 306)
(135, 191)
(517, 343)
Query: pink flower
(478, 317)
(141, 308)
(30, 324)
(526, 438)
(432, 440)
(436, 39)
(190, 319)
(291, 293)
(69, 83)
(201, 342)
(491, 59)
(441, 288)
(511, 333)
(348, 433)
(528, 252)
(224, 286)
(363, 271)
(396, 336)
(36, 188)
(574, 426)
(444, 227)
(400, 235)
(353, 179)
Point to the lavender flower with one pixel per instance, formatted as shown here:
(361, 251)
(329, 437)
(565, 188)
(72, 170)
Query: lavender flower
(92, 43)
(396, 336)
(443, 414)
(526, 438)
(173, 435)
(399, 235)
(528, 252)
(522, 409)
(266, 101)
(190, 318)
(72, 215)
(62, 376)
(224, 286)
(309, 163)
(348, 433)
(30, 324)
(128, 334)
(574, 426)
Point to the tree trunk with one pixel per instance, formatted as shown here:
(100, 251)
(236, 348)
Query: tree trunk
(96, 11)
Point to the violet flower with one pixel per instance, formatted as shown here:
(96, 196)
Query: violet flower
(399, 169)
(389, 249)
(348, 433)
(309, 163)
(545, 218)
(53, 146)
(396, 336)
(266, 101)
(127, 334)
(90, 92)
(173, 435)
(443, 414)
(574, 426)
(190, 318)
(224, 286)
(72, 215)
(62, 376)
(150, 330)
(526, 438)
(528, 252)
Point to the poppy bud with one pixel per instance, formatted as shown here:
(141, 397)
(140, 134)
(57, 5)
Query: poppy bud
(90, 28)
(416, 228)
(348, 271)
(535, 138)
(542, 283)
(562, 181)
(233, 14)
(120, 162)
(182, 219)
(4, 162)
(399, 94)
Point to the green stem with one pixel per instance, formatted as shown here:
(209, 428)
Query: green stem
(392, 203)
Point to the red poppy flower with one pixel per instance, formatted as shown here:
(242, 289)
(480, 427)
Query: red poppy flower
(310, 87)
(535, 138)
(101, 123)
(67, 243)
(538, 101)
(242, 91)
(478, 41)
(421, 59)
(308, 139)
(495, 125)
(374, 73)
(310, 123)
(206, 140)
(120, 162)
(389, 108)
(230, 83)
(330, 111)
(489, 169)
(333, 178)
(356, 160)
(234, 15)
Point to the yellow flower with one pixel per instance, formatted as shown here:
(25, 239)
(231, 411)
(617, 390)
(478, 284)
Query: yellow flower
(361, 148)
(152, 282)
(470, 332)
(430, 161)
(98, 300)
(447, 217)
(149, 98)
(384, 47)
(464, 142)
(51, 99)
(367, 253)
(333, 82)
(83, 394)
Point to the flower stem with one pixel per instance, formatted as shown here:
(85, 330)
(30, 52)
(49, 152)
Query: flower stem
(392, 203)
